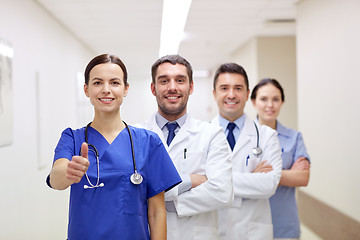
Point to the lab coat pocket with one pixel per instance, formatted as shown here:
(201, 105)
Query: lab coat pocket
(135, 200)
(202, 232)
(260, 231)
(251, 162)
(193, 162)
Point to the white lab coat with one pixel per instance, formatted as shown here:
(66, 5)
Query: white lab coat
(249, 216)
(207, 153)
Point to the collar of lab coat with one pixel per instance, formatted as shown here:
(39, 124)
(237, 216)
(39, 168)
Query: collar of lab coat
(246, 135)
(189, 127)
(281, 129)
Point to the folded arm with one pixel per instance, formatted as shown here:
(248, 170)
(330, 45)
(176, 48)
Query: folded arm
(261, 183)
(298, 175)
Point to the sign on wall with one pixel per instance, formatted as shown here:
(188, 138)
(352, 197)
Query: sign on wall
(6, 92)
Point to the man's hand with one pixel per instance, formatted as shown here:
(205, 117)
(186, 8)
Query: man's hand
(197, 179)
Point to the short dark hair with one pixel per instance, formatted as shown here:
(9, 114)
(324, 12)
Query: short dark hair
(173, 59)
(264, 82)
(105, 58)
(231, 68)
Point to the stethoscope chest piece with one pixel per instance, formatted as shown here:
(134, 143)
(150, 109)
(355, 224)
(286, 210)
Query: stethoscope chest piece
(256, 151)
(136, 178)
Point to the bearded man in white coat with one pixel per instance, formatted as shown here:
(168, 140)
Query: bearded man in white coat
(255, 176)
(198, 149)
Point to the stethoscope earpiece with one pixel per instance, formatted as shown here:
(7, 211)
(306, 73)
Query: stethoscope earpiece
(93, 186)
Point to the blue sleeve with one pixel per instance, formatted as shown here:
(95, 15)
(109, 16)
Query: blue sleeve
(64, 149)
(66, 145)
(162, 173)
(300, 150)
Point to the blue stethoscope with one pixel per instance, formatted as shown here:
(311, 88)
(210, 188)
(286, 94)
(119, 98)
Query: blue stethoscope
(135, 178)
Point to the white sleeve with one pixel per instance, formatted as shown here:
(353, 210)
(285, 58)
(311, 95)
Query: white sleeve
(184, 186)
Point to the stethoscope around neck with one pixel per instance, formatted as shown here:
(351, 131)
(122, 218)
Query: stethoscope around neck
(135, 178)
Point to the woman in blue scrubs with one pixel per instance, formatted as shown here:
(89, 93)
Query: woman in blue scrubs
(104, 202)
(268, 97)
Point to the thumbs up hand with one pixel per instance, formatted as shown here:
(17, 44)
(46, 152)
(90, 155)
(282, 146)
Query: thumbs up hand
(78, 165)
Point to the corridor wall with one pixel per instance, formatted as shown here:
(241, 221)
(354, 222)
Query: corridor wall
(44, 102)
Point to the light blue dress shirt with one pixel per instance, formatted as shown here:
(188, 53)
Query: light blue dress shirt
(237, 130)
(161, 122)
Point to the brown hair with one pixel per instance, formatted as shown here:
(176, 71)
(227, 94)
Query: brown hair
(173, 59)
(105, 58)
(231, 68)
(264, 82)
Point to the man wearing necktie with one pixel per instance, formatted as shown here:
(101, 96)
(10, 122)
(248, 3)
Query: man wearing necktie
(198, 149)
(255, 178)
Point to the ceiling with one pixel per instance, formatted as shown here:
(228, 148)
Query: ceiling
(131, 29)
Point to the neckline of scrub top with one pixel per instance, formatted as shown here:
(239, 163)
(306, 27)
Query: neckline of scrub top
(100, 141)
(90, 127)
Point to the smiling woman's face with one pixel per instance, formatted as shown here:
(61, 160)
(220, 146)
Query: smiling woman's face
(268, 103)
(106, 88)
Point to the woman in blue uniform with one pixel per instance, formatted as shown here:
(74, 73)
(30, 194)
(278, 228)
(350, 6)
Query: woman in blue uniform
(117, 173)
(268, 97)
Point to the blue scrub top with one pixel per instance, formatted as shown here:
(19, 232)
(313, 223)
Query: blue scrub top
(283, 204)
(119, 209)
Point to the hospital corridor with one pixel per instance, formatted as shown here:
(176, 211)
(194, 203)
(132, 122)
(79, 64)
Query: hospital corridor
(311, 47)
